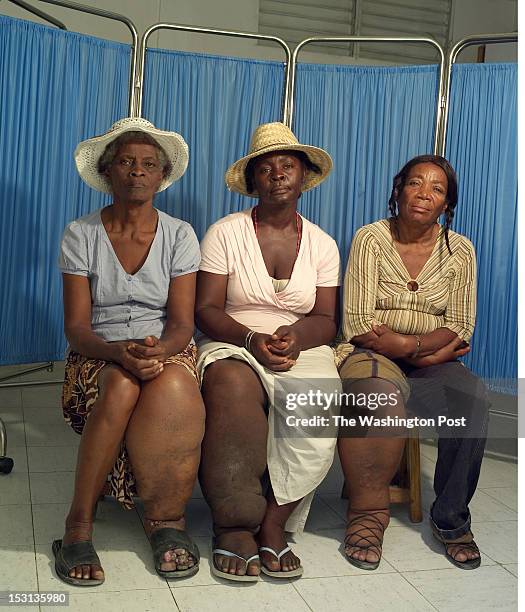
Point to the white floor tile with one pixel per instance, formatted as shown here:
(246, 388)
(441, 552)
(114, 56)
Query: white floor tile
(485, 508)
(498, 540)
(414, 548)
(371, 592)
(10, 397)
(512, 568)
(42, 396)
(16, 526)
(112, 524)
(18, 567)
(486, 588)
(46, 434)
(505, 495)
(321, 555)
(495, 473)
(52, 458)
(126, 565)
(322, 516)
(251, 597)
(52, 487)
(14, 426)
(42, 414)
(125, 601)
(14, 487)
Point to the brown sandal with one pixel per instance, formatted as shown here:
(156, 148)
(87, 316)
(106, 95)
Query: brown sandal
(463, 544)
(372, 542)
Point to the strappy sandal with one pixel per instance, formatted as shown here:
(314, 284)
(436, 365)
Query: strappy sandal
(372, 542)
(463, 544)
(280, 574)
(68, 556)
(226, 575)
(169, 538)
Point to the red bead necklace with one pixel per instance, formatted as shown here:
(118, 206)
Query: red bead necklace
(297, 224)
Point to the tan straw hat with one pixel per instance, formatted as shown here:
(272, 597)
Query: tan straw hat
(88, 152)
(277, 137)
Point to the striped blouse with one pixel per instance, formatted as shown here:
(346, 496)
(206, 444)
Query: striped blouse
(376, 291)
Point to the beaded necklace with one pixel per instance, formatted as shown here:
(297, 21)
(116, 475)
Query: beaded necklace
(297, 225)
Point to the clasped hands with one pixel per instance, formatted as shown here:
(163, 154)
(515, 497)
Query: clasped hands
(278, 351)
(401, 346)
(145, 361)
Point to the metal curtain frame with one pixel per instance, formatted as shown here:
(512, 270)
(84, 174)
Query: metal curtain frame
(468, 41)
(187, 28)
(116, 17)
(45, 16)
(376, 39)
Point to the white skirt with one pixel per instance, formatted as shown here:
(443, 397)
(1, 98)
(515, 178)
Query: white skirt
(298, 457)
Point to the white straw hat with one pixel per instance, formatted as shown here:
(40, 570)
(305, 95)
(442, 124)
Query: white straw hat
(88, 152)
(277, 137)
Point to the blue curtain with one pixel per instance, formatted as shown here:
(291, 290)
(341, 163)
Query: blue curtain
(482, 147)
(215, 103)
(370, 119)
(56, 88)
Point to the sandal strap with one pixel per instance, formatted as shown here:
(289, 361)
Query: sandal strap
(462, 547)
(377, 529)
(229, 553)
(72, 555)
(274, 553)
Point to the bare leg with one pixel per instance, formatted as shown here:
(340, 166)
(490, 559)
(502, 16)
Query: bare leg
(98, 450)
(369, 464)
(163, 440)
(234, 459)
(272, 535)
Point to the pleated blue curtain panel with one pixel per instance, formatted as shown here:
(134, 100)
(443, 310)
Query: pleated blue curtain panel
(56, 88)
(215, 103)
(482, 146)
(64, 87)
(371, 120)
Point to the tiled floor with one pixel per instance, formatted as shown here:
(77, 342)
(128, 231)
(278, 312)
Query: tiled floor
(413, 575)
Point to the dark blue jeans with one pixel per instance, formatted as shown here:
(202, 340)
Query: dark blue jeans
(450, 389)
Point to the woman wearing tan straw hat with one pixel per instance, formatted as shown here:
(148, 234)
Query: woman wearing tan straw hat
(267, 302)
(131, 385)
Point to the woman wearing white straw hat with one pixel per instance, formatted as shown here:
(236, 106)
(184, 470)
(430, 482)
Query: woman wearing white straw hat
(131, 385)
(267, 302)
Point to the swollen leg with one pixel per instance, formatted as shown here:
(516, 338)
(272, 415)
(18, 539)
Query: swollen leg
(234, 459)
(163, 440)
(369, 464)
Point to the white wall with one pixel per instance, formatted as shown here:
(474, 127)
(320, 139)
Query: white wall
(469, 17)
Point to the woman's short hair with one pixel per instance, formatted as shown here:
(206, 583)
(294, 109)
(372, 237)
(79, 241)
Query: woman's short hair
(135, 137)
(301, 156)
(451, 197)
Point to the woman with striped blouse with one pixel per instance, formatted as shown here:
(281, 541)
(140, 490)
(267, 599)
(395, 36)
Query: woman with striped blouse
(409, 312)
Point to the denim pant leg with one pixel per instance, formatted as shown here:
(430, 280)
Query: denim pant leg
(450, 389)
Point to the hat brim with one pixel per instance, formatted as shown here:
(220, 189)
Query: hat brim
(88, 152)
(236, 179)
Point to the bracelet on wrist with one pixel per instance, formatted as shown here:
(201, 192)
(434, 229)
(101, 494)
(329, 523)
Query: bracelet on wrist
(248, 340)
(418, 347)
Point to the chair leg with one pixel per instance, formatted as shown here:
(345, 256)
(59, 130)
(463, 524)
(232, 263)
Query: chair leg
(414, 478)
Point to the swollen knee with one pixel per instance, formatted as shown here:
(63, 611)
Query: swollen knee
(229, 373)
(240, 509)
